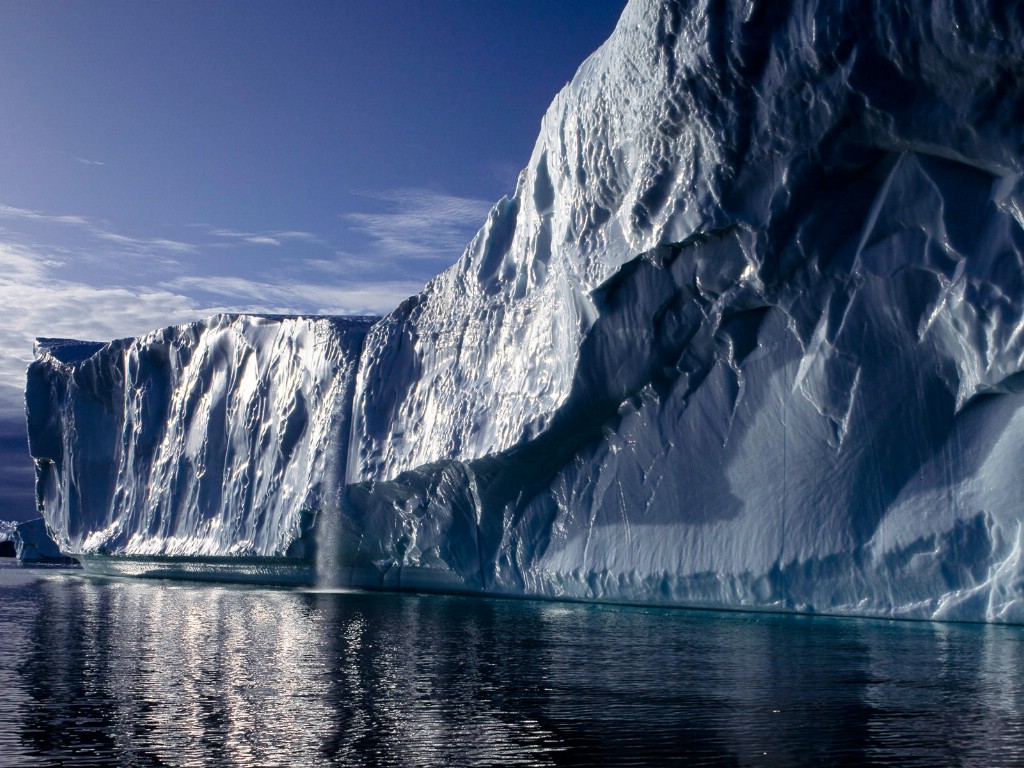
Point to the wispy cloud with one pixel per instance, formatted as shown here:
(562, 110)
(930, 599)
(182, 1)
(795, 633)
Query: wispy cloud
(87, 161)
(298, 297)
(419, 223)
(25, 214)
(146, 243)
(94, 230)
(273, 237)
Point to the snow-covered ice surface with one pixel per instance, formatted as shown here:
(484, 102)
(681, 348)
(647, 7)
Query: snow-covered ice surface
(748, 334)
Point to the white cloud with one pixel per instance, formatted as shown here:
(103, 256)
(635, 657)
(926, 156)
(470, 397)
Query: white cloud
(137, 244)
(297, 297)
(90, 228)
(420, 224)
(13, 212)
(308, 237)
(33, 303)
(269, 237)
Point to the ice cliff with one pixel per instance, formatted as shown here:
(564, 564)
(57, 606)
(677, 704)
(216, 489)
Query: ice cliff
(214, 438)
(748, 334)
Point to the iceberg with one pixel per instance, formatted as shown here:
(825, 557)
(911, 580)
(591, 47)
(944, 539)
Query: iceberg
(33, 543)
(748, 334)
(7, 529)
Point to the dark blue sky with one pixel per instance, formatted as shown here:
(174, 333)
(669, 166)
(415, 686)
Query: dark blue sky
(164, 160)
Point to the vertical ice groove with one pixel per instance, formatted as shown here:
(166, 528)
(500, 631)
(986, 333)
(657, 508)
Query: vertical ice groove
(225, 453)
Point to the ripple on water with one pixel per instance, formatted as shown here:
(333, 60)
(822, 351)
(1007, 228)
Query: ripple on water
(101, 671)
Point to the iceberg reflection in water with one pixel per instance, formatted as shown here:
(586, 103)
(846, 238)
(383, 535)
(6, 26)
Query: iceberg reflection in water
(130, 672)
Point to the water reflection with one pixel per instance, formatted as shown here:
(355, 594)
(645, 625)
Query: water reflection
(145, 673)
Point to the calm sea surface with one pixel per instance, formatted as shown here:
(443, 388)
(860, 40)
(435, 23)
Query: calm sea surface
(122, 672)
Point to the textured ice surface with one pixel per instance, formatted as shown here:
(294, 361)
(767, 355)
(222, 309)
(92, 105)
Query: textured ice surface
(211, 438)
(748, 334)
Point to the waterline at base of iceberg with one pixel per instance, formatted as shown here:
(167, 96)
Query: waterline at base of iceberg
(281, 571)
(251, 570)
(304, 576)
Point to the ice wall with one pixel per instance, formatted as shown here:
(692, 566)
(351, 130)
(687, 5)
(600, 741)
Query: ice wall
(747, 334)
(210, 438)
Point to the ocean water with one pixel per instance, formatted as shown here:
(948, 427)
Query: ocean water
(129, 672)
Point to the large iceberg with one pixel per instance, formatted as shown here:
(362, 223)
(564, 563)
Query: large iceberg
(749, 333)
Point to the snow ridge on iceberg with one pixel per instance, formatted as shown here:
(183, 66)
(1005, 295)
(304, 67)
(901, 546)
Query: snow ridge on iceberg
(693, 117)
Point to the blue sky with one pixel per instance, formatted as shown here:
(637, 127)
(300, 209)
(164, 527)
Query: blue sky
(161, 161)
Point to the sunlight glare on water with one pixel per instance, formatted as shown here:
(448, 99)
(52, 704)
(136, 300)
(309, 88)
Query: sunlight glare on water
(130, 672)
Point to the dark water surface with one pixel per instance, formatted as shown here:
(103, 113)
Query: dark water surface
(123, 672)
